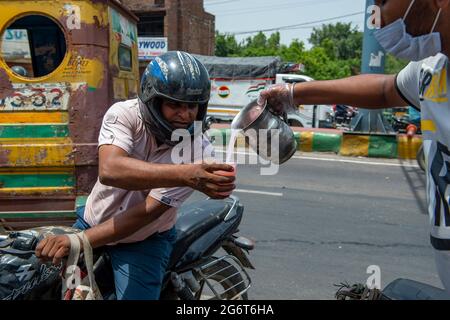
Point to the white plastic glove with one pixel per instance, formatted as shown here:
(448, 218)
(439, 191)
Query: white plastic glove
(279, 98)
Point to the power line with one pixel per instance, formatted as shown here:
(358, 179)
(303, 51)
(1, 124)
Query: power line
(296, 26)
(304, 27)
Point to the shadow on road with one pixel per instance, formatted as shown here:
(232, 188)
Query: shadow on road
(416, 180)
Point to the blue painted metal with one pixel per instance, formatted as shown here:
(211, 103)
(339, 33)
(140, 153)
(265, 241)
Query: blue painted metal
(373, 62)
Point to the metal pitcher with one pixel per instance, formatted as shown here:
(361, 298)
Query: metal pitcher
(278, 143)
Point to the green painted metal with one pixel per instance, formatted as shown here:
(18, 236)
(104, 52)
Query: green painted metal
(297, 138)
(326, 142)
(33, 131)
(37, 215)
(80, 201)
(383, 146)
(36, 180)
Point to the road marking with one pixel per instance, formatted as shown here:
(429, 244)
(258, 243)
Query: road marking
(275, 194)
(359, 162)
(372, 163)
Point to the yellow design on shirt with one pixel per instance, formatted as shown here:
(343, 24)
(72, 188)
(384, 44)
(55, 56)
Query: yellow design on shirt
(437, 91)
(428, 125)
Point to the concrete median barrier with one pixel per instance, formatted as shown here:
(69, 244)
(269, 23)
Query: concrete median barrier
(338, 142)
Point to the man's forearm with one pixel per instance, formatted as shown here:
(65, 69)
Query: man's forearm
(125, 224)
(132, 174)
(367, 91)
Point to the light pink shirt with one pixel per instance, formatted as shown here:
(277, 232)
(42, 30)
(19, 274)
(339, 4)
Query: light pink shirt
(123, 127)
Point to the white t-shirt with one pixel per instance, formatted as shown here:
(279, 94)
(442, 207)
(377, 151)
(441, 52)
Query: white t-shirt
(124, 127)
(425, 85)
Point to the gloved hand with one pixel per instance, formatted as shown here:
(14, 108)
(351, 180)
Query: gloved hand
(279, 97)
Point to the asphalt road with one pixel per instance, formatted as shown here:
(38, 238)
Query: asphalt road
(325, 219)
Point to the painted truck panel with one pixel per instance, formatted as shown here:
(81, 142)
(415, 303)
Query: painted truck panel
(229, 96)
(49, 124)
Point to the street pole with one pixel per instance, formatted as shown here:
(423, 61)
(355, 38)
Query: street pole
(373, 62)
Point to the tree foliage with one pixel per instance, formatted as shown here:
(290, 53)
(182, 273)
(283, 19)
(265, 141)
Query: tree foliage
(342, 41)
(336, 50)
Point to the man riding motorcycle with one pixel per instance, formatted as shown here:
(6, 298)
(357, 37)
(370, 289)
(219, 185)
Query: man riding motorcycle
(132, 208)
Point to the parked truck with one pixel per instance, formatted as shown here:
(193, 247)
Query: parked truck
(237, 81)
(62, 64)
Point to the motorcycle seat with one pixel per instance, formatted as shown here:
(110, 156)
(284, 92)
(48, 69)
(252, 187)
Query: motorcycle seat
(199, 217)
(405, 289)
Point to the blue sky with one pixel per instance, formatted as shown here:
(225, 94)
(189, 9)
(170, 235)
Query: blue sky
(248, 15)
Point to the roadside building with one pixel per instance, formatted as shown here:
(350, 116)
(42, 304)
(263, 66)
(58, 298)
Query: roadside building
(173, 25)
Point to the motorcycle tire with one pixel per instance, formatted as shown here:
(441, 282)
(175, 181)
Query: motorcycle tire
(228, 276)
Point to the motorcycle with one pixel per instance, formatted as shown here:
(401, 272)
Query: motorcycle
(399, 289)
(400, 124)
(195, 272)
(406, 124)
(343, 116)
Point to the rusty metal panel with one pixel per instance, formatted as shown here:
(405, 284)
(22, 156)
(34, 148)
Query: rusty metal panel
(37, 97)
(53, 152)
(49, 125)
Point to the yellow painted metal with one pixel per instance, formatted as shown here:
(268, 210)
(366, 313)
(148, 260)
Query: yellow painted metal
(89, 9)
(355, 146)
(92, 74)
(408, 147)
(34, 117)
(92, 13)
(40, 191)
(55, 152)
(306, 141)
(125, 83)
(91, 65)
(120, 91)
(133, 84)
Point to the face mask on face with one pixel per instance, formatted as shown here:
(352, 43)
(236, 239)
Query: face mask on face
(395, 40)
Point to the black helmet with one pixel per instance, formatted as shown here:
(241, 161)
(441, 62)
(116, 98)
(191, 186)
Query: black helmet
(176, 76)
